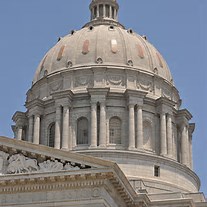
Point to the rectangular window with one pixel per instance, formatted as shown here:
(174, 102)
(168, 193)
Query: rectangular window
(157, 171)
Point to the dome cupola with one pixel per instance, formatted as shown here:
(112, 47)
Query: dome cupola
(104, 9)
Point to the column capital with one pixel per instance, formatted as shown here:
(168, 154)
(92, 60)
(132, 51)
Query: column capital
(164, 105)
(63, 94)
(65, 102)
(34, 105)
(19, 118)
(98, 91)
(139, 106)
(191, 128)
(135, 93)
(183, 116)
(131, 105)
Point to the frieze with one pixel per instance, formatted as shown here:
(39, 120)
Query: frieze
(56, 85)
(166, 93)
(115, 79)
(19, 163)
(83, 80)
(144, 83)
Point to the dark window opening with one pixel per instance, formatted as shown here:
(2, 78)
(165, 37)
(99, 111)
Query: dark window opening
(107, 11)
(95, 12)
(82, 131)
(101, 10)
(52, 135)
(157, 171)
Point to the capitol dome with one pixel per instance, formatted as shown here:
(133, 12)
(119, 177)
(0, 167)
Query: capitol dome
(107, 92)
(106, 45)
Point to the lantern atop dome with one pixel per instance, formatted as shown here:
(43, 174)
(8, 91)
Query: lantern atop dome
(104, 9)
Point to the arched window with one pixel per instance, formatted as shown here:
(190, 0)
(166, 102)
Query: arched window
(147, 135)
(51, 140)
(115, 130)
(82, 131)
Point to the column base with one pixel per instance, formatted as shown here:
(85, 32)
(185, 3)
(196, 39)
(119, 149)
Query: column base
(65, 149)
(102, 146)
(92, 147)
(132, 148)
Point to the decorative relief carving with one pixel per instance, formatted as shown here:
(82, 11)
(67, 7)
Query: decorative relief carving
(19, 163)
(84, 80)
(51, 166)
(130, 63)
(69, 166)
(166, 93)
(69, 64)
(3, 161)
(99, 60)
(56, 85)
(115, 79)
(144, 83)
(96, 192)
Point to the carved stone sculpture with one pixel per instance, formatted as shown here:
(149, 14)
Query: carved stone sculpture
(68, 166)
(51, 166)
(20, 164)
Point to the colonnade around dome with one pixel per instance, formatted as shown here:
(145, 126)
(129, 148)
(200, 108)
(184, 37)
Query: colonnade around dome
(108, 120)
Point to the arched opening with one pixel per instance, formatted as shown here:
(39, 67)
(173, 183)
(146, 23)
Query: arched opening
(82, 131)
(115, 130)
(51, 140)
(147, 135)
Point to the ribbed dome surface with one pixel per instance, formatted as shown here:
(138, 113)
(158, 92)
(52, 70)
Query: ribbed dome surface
(106, 45)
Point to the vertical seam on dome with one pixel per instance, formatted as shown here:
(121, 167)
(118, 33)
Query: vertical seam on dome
(147, 50)
(77, 45)
(123, 44)
(96, 46)
(52, 57)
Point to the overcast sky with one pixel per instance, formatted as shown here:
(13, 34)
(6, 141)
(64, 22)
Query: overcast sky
(177, 28)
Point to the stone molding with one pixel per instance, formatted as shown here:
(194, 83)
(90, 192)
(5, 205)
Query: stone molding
(137, 155)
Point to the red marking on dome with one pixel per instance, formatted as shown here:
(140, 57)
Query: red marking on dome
(140, 51)
(114, 47)
(85, 48)
(160, 60)
(60, 54)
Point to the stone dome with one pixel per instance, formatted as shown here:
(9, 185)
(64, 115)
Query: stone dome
(105, 45)
(107, 92)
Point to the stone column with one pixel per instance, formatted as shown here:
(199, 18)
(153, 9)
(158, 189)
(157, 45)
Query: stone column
(115, 14)
(169, 136)
(163, 140)
(104, 10)
(19, 133)
(98, 11)
(175, 141)
(131, 127)
(190, 151)
(139, 128)
(184, 145)
(93, 125)
(102, 141)
(58, 127)
(31, 126)
(65, 137)
(36, 139)
(110, 12)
